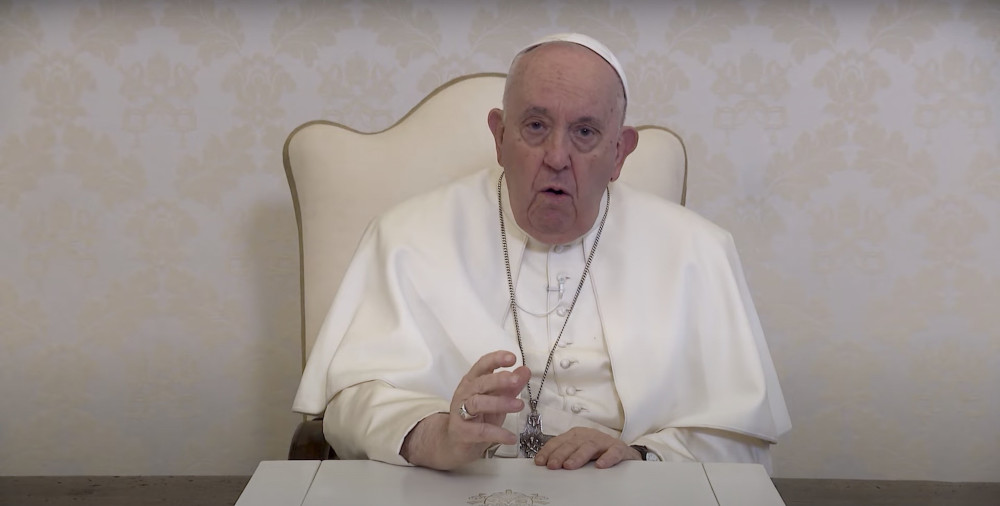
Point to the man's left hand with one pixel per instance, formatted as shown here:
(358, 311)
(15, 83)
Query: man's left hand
(579, 445)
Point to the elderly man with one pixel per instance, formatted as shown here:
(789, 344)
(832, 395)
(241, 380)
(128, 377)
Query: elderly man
(545, 311)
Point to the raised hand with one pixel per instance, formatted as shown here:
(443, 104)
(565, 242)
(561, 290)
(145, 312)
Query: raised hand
(448, 440)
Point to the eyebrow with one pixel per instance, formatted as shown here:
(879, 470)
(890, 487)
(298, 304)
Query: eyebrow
(533, 110)
(539, 110)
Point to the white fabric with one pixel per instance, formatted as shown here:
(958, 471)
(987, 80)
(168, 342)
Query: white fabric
(580, 379)
(371, 420)
(426, 296)
(579, 388)
(340, 179)
(590, 43)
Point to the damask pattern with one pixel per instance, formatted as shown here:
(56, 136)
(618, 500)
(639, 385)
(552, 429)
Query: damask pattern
(149, 276)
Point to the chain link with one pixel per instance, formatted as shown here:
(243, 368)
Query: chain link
(533, 402)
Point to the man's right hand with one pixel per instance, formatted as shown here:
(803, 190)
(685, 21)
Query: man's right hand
(446, 440)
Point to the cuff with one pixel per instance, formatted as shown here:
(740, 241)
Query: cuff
(370, 420)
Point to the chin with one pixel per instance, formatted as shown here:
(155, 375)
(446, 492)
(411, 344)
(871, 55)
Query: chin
(552, 225)
(553, 235)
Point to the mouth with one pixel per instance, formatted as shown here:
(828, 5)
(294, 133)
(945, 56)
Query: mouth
(555, 191)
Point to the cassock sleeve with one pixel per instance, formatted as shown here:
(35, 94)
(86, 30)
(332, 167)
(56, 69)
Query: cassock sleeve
(370, 420)
(707, 445)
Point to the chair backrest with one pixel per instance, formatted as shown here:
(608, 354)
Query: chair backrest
(341, 178)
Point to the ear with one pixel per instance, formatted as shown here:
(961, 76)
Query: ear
(628, 139)
(495, 120)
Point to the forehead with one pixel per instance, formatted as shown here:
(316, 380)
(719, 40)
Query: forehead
(565, 77)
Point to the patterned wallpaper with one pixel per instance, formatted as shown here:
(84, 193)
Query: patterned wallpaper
(148, 269)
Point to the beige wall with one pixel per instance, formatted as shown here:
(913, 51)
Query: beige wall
(148, 268)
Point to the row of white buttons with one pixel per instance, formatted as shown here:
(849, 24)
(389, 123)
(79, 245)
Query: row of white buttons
(571, 390)
(566, 363)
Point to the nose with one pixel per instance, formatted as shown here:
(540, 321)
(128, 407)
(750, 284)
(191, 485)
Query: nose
(557, 151)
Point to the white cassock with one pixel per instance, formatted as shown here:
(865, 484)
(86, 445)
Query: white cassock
(663, 349)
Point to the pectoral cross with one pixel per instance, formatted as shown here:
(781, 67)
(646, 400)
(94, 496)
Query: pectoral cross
(532, 439)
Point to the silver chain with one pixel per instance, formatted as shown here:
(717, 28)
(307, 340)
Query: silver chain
(533, 402)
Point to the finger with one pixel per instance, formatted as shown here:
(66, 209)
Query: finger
(500, 383)
(523, 375)
(612, 457)
(553, 444)
(574, 457)
(482, 404)
(556, 450)
(481, 379)
(476, 433)
(491, 362)
(542, 457)
(504, 384)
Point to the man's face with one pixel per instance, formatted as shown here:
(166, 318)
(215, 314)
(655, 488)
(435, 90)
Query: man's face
(560, 139)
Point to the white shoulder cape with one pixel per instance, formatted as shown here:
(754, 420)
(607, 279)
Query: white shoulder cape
(426, 295)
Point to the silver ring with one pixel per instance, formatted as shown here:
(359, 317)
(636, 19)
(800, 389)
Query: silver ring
(464, 413)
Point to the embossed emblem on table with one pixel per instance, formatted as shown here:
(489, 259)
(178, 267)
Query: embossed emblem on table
(508, 498)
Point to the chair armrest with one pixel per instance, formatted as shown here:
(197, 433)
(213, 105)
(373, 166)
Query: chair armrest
(308, 442)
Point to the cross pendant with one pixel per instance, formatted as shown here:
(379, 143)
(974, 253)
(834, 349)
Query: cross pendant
(532, 439)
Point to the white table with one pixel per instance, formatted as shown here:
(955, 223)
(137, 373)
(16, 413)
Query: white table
(507, 482)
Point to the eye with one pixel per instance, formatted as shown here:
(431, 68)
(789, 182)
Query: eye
(534, 130)
(586, 133)
(586, 137)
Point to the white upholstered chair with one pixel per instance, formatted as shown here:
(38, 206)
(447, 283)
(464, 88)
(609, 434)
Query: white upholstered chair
(341, 178)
